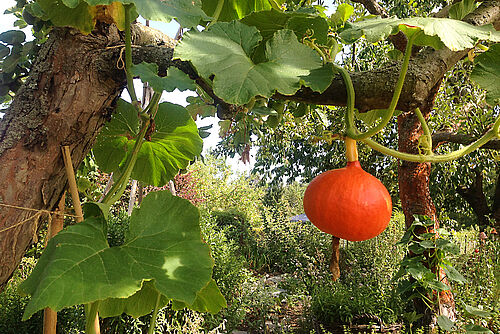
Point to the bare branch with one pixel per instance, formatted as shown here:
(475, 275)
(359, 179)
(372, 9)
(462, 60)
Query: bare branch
(464, 139)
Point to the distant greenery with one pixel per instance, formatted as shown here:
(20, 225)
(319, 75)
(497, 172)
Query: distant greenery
(274, 272)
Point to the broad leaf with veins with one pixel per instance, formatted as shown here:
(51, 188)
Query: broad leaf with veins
(163, 246)
(173, 144)
(236, 9)
(82, 14)
(225, 49)
(486, 73)
(208, 299)
(437, 32)
(175, 79)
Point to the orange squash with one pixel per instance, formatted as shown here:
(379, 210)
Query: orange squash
(348, 203)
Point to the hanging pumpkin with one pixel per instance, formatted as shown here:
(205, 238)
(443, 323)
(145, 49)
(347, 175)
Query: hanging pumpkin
(348, 203)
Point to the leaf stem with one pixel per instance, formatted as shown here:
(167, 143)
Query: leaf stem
(152, 322)
(427, 131)
(351, 150)
(351, 129)
(128, 54)
(90, 317)
(217, 12)
(119, 187)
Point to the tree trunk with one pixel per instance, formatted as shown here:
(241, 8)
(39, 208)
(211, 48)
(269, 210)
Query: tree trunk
(415, 198)
(65, 101)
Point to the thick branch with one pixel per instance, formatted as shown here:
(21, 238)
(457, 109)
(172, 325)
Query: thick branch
(464, 139)
(373, 89)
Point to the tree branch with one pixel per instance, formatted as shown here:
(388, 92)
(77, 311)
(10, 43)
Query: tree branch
(447, 137)
(373, 88)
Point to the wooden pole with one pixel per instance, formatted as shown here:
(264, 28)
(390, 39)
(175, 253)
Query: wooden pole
(73, 189)
(55, 225)
(334, 260)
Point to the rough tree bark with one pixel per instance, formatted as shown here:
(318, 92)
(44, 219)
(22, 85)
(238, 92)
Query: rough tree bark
(68, 96)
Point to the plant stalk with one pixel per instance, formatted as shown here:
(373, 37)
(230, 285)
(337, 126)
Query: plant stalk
(492, 133)
(119, 187)
(152, 323)
(351, 129)
(351, 151)
(128, 54)
(91, 317)
(217, 12)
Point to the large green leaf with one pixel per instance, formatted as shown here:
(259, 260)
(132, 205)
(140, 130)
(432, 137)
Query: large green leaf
(453, 274)
(208, 299)
(302, 24)
(476, 329)
(175, 78)
(174, 143)
(163, 245)
(486, 73)
(187, 12)
(477, 312)
(445, 323)
(81, 14)
(224, 50)
(236, 9)
(454, 34)
(80, 17)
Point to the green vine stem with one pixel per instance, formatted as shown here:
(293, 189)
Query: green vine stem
(491, 134)
(427, 142)
(118, 188)
(217, 12)
(91, 314)
(351, 129)
(152, 322)
(128, 53)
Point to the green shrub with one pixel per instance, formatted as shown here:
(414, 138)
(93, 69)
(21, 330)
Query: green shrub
(365, 285)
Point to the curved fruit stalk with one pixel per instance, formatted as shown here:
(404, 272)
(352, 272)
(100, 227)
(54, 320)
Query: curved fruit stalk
(348, 203)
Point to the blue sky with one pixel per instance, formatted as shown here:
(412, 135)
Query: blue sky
(7, 21)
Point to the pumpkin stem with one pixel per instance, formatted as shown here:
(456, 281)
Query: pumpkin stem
(334, 260)
(351, 150)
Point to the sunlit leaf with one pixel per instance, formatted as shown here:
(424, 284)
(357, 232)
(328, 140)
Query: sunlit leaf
(173, 144)
(454, 34)
(343, 13)
(445, 323)
(477, 311)
(236, 9)
(224, 50)
(163, 245)
(476, 329)
(175, 79)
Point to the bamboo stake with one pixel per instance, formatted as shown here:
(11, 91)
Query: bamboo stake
(55, 225)
(73, 189)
